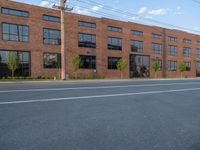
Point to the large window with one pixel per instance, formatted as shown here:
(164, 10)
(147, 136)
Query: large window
(198, 42)
(52, 60)
(24, 63)
(172, 39)
(115, 29)
(137, 46)
(172, 50)
(188, 66)
(172, 65)
(86, 40)
(156, 48)
(51, 36)
(112, 62)
(186, 52)
(156, 36)
(88, 62)
(51, 18)
(198, 53)
(136, 32)
(14, 12)
(114, 43)
(187, 41)
(15, 32)
(87, 24)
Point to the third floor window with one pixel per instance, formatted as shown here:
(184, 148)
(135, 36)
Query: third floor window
(156, 36)
(136, 32)
(172, 39)
(86, 24)
(14, 12)
(187, 41)
(51, 18)
(115, 29)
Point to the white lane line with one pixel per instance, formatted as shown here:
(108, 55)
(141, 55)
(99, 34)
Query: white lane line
(97, 87)
(97, 96)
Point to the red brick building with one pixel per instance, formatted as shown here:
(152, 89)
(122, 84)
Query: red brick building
(34, 34)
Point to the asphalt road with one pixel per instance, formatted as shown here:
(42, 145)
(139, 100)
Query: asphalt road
(125, 115)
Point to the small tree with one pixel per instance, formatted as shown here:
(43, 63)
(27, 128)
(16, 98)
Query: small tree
(121, 65)
(76, 62)
(182, 68)
(12, 62)
(155, 67)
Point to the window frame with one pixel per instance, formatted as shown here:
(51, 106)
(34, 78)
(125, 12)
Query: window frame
(17, 10)
(112, 46)
(49, 43)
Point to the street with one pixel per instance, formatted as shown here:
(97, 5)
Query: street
(114, 115)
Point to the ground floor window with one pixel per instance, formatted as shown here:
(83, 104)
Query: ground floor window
(24, 68)
(112, 62)
(172, 65)
(88, 62)
(52, 60)
(198, 69)
(188, 66)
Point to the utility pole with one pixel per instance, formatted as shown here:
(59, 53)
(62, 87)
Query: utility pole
(62, 9)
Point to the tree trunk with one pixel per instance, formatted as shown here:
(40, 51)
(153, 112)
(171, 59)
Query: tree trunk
(121, 74)
(155, 75)
(12, 74)
(181, 75)
(76, 74)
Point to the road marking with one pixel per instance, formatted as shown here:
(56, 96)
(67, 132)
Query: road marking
(98, 96)
(96, 87)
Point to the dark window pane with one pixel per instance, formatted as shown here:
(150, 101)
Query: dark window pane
(114, 43)
(51, 36)
(52, 60)
(137, 46)
(112, 62)
(51, 18)
(14, 12)
(86, 40)
(88, 62)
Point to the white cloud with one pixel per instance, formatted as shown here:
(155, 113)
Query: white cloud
(96, 8)
(159, 12)
(142, 10)
(44, 4)
(81, 11)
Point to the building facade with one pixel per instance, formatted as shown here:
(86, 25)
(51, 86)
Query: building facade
(33, 33)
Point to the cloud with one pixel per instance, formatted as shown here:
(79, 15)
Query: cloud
(81, 11)
(96, 8)
(142, 10)
(159, 12)
(44, 4)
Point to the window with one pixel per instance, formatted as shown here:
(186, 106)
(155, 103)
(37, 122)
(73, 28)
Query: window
(52, 60)
(137, 46)
(87, 24)
(86, 40)
(51, 18)
(172, 65)
(88, 62)
(51, 36)
(172, 39)
(186, 52)
(112, 62)
(115, 29)
(114, 43)
(156, 36)
(156, 48)
(187, 41)
(172, 50)
(198, 53)
(24, 68)
(14, 12)
(198, 42)
(15, 32)
(159, 63)
(188, 66)
(135, 32)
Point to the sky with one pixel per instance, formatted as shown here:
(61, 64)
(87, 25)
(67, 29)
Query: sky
(180, 13)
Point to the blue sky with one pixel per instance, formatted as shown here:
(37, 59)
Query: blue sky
(183, 13)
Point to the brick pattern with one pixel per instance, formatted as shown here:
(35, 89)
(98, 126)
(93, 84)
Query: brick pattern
(37, 48)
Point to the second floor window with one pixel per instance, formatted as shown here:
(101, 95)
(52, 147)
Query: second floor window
(186, 52)
(51, 18)
(14, 12)
(87, 24)
(51, 36)
(15, 32)
(137, 46)
(114, 43)
(156, 48)
(115, 29)
(86, 40)
(172, 50)
(198, 53)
